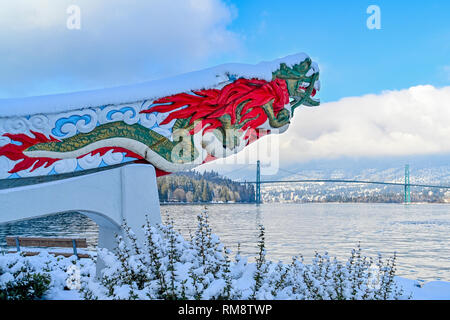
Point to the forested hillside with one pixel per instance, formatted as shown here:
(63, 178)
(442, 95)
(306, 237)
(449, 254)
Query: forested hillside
(202, 187)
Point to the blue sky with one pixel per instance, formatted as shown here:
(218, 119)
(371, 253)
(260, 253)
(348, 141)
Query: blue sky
(122, 42)
(412, 47)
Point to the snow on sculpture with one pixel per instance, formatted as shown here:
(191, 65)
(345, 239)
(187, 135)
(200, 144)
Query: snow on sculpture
(174, 124)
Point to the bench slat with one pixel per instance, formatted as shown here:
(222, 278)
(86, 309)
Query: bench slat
(46, 242)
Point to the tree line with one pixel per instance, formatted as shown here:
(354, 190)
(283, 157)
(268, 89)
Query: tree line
(209, 186)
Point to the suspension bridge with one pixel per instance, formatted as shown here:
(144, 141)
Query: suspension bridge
(406, 185)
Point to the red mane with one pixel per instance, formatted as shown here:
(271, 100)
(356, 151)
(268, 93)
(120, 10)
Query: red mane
(15, 151)
(210, 104)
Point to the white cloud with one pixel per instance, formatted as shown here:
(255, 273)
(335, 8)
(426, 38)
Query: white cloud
(120, 41)
(415, 121)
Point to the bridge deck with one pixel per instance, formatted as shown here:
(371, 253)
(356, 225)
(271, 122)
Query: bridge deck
(352, 181)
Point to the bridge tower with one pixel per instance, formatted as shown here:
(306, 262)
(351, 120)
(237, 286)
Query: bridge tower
(258, 183)
(407, 185)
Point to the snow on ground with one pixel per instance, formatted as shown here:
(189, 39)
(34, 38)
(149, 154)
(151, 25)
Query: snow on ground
(433, 290)
(208, 78)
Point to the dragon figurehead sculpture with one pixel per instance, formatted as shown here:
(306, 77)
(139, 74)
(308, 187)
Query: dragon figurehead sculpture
(173, 132)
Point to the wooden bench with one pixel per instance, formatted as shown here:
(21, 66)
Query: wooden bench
(48, 243)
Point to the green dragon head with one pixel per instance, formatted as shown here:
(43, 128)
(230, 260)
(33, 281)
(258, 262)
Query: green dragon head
(302, 81)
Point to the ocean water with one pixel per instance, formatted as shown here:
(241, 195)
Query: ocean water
(419, 234)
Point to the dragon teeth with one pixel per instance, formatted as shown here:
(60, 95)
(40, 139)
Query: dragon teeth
(305, 84)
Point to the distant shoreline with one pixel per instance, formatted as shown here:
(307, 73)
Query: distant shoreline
(199, 203)
(331, 202)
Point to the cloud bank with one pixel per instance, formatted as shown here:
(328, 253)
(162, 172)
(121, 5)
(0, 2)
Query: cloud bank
(120, 42)
(414, 121)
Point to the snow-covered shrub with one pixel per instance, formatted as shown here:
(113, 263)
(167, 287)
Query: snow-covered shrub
(359, 278)
(19, 280)
(166, 266)
(37, 277)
